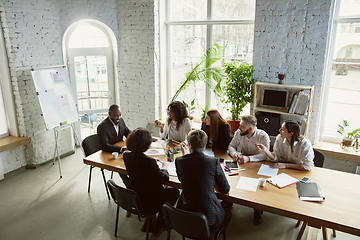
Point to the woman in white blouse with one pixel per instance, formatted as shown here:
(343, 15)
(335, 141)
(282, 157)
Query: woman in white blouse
(177, 125)
(291, 150)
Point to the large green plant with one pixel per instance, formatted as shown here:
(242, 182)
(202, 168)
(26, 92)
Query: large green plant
(238, 87)
(206, 72)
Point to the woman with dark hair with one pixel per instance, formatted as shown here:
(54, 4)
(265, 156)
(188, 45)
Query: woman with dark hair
(145, 176)
(177, 125)
(217, 130)
(290, 148)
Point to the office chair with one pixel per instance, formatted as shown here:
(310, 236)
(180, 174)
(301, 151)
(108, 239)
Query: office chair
(190, 224)
(91, 145)
(130, 201)
(318, 162)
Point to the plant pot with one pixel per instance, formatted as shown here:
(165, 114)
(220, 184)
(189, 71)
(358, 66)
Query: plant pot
(346, 143)
(234, 125)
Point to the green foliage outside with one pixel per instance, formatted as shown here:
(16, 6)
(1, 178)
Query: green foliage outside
(238, 87)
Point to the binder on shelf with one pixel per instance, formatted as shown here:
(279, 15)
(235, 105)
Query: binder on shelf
(282, 180)
(310, 191)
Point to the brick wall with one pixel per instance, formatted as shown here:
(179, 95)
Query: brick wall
(291, 37)
(136, 65)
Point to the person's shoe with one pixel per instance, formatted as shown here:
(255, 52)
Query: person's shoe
(257, 217)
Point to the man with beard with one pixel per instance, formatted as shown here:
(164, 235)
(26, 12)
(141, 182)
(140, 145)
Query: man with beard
(247, 137)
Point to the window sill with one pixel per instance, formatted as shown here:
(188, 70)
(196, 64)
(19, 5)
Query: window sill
(11, 142)
(334, 150)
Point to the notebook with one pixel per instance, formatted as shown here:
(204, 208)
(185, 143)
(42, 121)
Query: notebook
(310, 191)
(282, 180)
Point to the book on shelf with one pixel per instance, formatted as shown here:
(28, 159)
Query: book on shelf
(299, 103)
(310, 191)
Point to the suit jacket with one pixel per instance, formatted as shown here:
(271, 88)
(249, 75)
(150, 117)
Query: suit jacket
(146, 179)
(223, 138)
(107, 135)
(199, 174)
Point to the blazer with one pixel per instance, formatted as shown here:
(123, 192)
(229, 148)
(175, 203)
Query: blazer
(223, 138)
(146, 179)
(107, 135)
(199, 174)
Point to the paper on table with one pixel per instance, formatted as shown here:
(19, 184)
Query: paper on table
(282, 180)
(209, 152)
(158, 144)
(154, 152)
(249, 184)
(266, 170)
(172, 168)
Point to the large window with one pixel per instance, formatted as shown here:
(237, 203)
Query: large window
(192, 27)
(343, 75)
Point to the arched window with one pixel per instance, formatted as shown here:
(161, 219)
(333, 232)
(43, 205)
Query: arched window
(89, 48)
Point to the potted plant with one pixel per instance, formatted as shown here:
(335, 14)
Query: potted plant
(204, 110)
(237, 90)
(206, 72)
(191, 108)
(348, 137)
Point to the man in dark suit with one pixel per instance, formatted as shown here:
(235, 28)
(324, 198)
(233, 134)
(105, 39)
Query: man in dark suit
(112, 130)
(199, 174)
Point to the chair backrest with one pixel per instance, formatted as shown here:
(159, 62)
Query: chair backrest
(91, 144)
(188, 224)
(126, 198)
(319, 158)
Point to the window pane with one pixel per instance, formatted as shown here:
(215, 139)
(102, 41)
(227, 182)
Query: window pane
(187, 9)
(233, 9)
(91, 83)
(86, 36)
(349, 8)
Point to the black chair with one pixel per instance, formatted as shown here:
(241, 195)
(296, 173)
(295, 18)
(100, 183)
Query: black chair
(130, 201)
(190, 224)
(318, 162)
(91, 145)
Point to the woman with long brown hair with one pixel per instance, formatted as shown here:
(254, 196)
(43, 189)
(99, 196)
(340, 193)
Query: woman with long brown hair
(217, 130)
(291, 149)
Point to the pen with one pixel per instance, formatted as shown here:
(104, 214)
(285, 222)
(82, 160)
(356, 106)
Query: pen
(227, 169)
(251, 142)
(233, 174)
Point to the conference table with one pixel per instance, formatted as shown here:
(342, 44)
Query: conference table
(340, 210)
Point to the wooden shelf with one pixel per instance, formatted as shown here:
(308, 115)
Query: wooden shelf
(278, 111)
(11, 142)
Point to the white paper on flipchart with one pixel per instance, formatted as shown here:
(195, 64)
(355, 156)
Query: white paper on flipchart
(266, 170)
(249, 184)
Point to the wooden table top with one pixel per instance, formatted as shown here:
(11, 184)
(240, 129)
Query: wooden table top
(339, 211)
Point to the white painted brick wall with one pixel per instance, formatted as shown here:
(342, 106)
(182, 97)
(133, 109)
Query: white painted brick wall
(136, 65)
(290, 37)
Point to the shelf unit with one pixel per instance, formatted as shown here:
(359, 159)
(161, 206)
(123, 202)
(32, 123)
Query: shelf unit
(284, 112)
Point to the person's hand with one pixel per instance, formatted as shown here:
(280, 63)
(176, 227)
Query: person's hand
(260, 147)
(236, 157)
(160, 125)
(278, 165)
(184, 149)
(244, 159)
(164, 165)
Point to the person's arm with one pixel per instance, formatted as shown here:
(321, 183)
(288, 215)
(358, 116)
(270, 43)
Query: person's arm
(102, 133)
(223, 137)
(163, 129)
(264, 140)
(307, 155)
(262, 148)
(161, 174)
(187, 128)
(235, 142)
(221, 183)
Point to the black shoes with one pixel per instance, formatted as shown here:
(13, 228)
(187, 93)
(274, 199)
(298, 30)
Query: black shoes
(257, 217)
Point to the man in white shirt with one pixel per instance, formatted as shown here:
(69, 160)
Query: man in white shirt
(247, 136)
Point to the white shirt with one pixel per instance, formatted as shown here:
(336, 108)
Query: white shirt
(302, 152)
(247, 148)
(116, 126)
(182, 133)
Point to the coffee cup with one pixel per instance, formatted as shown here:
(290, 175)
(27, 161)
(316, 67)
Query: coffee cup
(115, 154)
(262, 182)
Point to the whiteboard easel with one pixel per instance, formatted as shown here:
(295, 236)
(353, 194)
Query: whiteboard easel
(57, 103)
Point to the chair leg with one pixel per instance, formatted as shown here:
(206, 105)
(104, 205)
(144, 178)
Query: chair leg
(298, 223)
(91, 167)
(324, 233)
(148, 225)
(302, 229)
(334, 233)
(106, 188)
(112, 174)
(117, 219)
(183, 237)
(224, 235)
